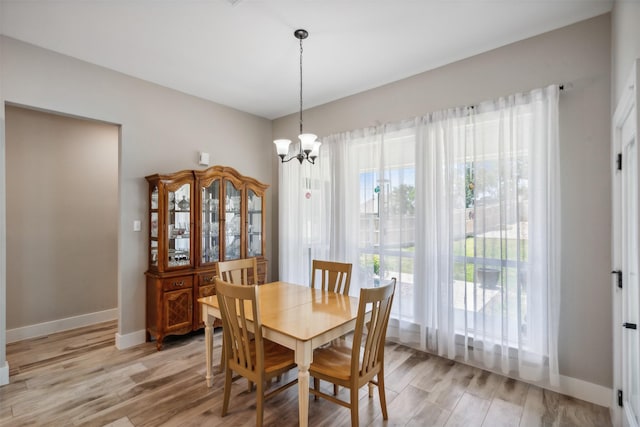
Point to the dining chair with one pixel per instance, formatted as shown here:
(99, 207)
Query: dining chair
(239, 271)
(334, 276)
(248, 354)
(361, 362)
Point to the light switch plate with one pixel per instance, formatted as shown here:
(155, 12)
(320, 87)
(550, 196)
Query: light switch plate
(137, 225)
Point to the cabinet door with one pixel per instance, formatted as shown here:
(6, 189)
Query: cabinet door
(153, 227)
(178, 225)
(210, 194)
(178, 310)
(232, 220)
(255, 223)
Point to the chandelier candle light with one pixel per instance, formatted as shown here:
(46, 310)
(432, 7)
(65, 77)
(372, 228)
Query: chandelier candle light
(309, 147)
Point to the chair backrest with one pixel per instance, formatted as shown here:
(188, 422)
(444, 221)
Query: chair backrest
(378, 301)
(239, 271)
(237, 304)
(335, 276)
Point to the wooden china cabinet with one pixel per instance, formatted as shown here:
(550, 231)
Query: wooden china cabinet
(197, 218)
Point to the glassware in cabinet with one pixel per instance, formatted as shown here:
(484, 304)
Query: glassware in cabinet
(210, 222)
(232, 221)
(179, 227)
(254, 224)
(153, 227)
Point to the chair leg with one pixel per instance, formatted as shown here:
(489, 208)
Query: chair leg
(335, 389)
(259, 403)
(383, 398)
(354, 406)
(316, 387)
(228, 378)
(222, 356)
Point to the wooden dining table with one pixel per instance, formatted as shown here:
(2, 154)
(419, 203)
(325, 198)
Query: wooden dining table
(297, 317)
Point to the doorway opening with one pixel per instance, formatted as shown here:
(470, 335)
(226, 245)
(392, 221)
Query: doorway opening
(61, 221)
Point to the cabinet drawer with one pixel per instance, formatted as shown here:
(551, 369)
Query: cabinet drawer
(176, 283)
(206, 279)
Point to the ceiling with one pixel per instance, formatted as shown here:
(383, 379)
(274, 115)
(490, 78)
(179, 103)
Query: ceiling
(242, 53)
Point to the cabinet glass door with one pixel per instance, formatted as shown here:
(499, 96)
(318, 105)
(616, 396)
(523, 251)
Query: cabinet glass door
(210, 249)
(153, 231)
(179, 226)
(254, 224)
(233, 222)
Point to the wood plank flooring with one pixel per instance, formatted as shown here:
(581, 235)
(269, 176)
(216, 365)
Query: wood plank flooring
(79, 378)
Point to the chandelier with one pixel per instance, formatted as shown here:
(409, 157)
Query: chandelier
(309, 147)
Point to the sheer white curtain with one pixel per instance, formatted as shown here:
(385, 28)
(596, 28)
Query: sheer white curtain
(320, 206)
(490, 239)
(304, 220)
(462, 207)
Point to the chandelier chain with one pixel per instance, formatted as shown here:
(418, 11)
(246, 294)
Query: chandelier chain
(301, 86)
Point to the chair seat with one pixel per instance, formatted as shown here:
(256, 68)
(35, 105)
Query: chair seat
(332, 361)
(277, 357)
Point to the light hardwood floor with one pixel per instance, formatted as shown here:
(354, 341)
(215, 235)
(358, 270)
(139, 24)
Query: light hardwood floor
(78, 378)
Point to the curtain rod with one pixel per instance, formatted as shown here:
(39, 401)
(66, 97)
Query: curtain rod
(562, 87)
(565, 86)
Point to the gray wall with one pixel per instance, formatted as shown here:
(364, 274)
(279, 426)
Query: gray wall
(161, 131)
(580, 55)
(62, 216)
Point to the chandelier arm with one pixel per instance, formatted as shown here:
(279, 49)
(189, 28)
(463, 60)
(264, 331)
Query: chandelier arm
(299, 157)
(283, 160)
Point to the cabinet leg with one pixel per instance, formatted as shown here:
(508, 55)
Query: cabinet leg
(159, 343)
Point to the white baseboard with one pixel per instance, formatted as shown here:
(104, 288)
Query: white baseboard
(130, 340)
(46, 328)
(584, 390)
(4, 374)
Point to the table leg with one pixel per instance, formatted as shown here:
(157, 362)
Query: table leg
(304, 354)
(208, 339)
(303, 396)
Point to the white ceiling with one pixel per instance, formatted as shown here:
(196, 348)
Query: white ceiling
(242, 53)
